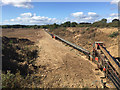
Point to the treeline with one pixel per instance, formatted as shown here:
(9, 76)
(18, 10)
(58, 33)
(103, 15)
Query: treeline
(102, 23)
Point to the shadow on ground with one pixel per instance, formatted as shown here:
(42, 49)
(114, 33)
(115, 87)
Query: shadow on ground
(17, 55)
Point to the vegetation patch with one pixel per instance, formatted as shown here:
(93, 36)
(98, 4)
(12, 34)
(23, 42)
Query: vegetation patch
(18, 63)
(114, 34)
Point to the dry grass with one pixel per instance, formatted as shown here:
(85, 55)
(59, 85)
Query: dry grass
(85, 36)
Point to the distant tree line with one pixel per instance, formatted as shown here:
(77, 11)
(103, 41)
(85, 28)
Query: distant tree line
(102, 23)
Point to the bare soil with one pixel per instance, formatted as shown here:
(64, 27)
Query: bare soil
(59, 65)
(86, 36)
(64, 67)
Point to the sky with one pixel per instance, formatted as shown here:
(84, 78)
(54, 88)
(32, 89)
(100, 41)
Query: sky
(25, 12)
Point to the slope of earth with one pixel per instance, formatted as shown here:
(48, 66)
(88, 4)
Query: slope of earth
(58, 65)
(63, 67)
(86, 36)
(30, 34)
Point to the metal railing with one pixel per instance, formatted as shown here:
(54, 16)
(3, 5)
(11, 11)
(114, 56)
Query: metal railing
(73, 45)
(111, 72)
(112, 69)
(86, 52)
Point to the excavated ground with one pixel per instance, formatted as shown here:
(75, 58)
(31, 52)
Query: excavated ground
(59, 65)
(64, 66)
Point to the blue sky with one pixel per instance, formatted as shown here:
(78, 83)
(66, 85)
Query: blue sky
(57, 12)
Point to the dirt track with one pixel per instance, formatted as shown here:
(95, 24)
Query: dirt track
(64, 67)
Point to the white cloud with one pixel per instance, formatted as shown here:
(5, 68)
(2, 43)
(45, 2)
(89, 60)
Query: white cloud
(92, 14)
(12, 20)
(112, 16)
(115, 1)
(88, 18)
(18, 3)
(29, 18)
(77, 14)
(92, 17)
(26, 15)
(81, 17)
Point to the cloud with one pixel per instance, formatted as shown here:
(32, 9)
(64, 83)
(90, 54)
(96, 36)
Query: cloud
(26, 15)
(115, 1)
(91, 17)
(18, 3)
(92, 14)
(81, 17)
(112, 16)
(31, 19)
(77, 14)
(109, 19)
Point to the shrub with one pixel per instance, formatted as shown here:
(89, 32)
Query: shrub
(11, 42)
(83, 32)
(87, 29)
(10, 80)
(114, 34)
(19, 58)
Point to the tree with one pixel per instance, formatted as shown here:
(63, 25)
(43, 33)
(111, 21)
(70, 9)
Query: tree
(115, 20)
(35, 26)
(66, 24)
(101, 23)
(84, 24)
(104, 20)
(45, 26)
(55, 25)
(74, 24)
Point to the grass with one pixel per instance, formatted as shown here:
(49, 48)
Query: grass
(114, 34)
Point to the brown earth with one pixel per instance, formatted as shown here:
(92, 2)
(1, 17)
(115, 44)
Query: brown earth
(63, 66)
(30, 34)
(85, 36)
